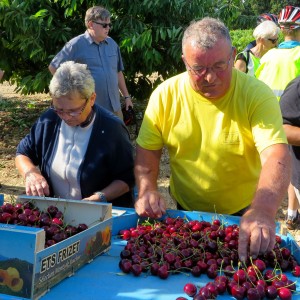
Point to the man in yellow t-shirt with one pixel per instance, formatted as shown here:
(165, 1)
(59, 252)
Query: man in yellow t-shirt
(223, 130)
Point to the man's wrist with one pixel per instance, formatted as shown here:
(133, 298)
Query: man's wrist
(101, 196)
(127, 97)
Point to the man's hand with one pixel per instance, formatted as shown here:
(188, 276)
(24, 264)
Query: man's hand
(151, 205)
(128, 103)
(257, 233)
(36, 184)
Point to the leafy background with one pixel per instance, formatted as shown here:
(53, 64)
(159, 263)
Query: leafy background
(149, 34)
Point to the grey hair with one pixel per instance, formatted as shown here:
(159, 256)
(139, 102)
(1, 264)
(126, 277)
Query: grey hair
(72, 77)
(95, 13)
(265, 30)
(206, 32)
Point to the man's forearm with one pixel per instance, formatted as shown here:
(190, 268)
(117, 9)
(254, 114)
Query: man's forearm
(147, 169)
(273, 183)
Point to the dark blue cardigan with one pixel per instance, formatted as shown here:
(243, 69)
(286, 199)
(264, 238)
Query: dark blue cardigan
(109, 155)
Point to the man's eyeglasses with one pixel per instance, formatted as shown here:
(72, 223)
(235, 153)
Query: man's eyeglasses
(217, 68)
(104, 25)
(75, 113)
(273, 41)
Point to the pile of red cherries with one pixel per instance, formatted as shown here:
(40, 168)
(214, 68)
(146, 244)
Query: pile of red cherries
(51, 220)
(176, 245)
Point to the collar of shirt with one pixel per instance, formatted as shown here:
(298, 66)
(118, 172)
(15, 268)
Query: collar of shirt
(288, 44)
(90, 39)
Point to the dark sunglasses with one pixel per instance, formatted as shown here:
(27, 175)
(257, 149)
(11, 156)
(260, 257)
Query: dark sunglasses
(273, 40)
(104, 25)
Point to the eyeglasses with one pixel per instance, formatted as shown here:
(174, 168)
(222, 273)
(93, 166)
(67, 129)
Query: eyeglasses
(75, 113)
(104, 25)
(217, 68)
(273, 41)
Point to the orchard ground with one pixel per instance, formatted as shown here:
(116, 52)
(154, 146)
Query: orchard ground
(17, 114)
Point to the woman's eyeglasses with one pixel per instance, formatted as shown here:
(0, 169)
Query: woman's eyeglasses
(104, 25)
(273, 41)
(75, 113)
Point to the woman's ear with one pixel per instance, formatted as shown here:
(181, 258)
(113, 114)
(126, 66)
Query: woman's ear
(93, 98)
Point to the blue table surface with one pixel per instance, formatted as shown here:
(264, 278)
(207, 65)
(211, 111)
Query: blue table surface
(102, 279)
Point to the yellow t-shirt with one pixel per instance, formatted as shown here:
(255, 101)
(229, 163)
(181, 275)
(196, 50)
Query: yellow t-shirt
(213, 145)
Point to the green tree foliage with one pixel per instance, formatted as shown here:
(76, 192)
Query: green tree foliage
(253, 8)
(241, 38)
(149, 34)
(270, 6)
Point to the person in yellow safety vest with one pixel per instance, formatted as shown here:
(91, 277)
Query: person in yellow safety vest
(280, 65)
(266, 36)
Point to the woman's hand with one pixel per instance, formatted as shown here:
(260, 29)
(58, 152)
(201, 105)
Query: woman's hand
(36, 184)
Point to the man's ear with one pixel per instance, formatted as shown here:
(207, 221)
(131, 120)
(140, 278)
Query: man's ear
(90, 24)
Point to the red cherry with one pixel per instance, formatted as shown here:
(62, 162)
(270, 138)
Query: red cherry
(196, 271)
(136, 269)
(217, 222)
(221, 287)
(125, 265)
(261, 290)
(247, 285)
(240, 276)
(285, 252)
(27, 211)
(296, 271)
(253, 294)
(45, 220)
(50, 243)
(163, 272)
(204, 292)
(213, 290)
(190, 289)
(57, 221)
(125, 234)
(33, 219)
(285, 294)
(229, 271)
(260, 264)
(81, 227)
(291, 285)
(70, 230)
(278, 283)
(154, 268)
(6, 217)
(52, 210)
(19, 208)
(238, 291)
(8, 207)
(196, 227)
(271, 292)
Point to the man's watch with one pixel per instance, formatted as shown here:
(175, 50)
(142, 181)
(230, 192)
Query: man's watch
(127, 97)
(101, 196)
